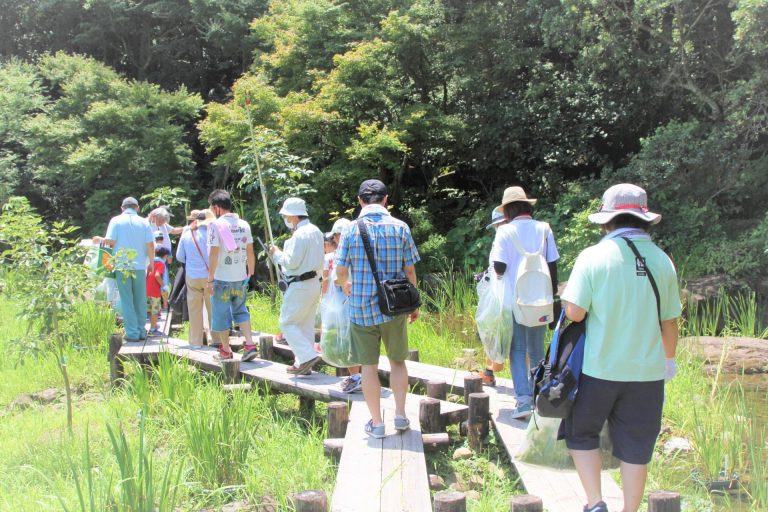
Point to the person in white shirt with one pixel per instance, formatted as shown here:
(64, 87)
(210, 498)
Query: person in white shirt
(231, 262)
(527, 342)
(301, 262)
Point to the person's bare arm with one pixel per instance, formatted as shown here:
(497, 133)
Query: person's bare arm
(251, 259)
(102, 240)
(150, 254)
(324, 285)
(176, 231)
(410, 274)
(669, 335)
(342, 279)
(213, 262)
(574, 312)
(159, 278)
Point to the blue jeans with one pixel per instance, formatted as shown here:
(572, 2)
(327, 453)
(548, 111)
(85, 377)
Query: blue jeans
(228, 303)
(525, 341)
(133, 302)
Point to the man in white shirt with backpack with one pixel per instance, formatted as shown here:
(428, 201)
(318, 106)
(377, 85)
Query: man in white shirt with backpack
(524, 255)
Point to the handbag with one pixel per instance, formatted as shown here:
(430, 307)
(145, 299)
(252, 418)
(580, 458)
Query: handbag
(396, 296)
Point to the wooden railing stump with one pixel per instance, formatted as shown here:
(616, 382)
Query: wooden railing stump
(310, 501)
(664, 501)
(338, 418)
(526, 503)
(477, 422)
(450, 501)
(429, 416)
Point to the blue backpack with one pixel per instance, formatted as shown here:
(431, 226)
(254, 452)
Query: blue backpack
(556, 377)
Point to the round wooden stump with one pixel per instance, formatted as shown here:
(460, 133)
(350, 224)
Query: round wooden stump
(664, 501)
(450, 501)
(472, 384)
(436, 389)
(266, 348)
(526, 503)
(413, 355)
(338, 418)
(429, 415)
(310, 501)
(477, 422)
(231, 371)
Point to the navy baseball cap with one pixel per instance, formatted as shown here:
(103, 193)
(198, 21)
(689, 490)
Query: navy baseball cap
(372, 188)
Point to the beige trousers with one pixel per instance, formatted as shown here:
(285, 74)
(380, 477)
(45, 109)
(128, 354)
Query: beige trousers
(199, 307)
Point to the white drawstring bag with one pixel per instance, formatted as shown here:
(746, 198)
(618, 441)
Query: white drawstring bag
(494, 318)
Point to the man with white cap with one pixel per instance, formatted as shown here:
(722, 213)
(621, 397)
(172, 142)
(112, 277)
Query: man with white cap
(627, 289)
(301, 262)
(131, 239)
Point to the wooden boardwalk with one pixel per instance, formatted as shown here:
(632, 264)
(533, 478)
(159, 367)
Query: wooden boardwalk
(271, 374)
(560, 489)
(381, 475)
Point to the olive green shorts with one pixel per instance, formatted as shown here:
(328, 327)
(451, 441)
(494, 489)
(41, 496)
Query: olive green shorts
(366, 340)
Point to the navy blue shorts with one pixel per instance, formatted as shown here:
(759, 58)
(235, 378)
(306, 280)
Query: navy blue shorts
(632, 409)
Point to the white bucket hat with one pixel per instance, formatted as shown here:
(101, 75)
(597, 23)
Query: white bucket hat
(624, 198)
(340, 226)
(496, 218)
(294, 206)
(513, 195)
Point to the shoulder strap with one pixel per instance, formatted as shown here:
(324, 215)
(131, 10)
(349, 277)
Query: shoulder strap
(194, 239)
(519, 246)
(632, 246)
(368, 249)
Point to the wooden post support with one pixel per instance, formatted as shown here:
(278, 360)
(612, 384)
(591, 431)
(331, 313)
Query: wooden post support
(429, 415)
(333, 447)
(439, 442)
(116, 372)
(310, 501)
(450, 501)
(338, 418)
(413, 355)
(266, 347)
(342, 372)
(664, 501)
(306, 405)
(436, 389)
(472, 384)
(526, 503)
(477, 422)
(231, 371)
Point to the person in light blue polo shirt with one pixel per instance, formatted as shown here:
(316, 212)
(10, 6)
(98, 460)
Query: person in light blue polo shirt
(192, 252)
(130, 237)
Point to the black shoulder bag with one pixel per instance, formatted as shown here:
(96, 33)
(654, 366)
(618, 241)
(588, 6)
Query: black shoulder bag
(642, 267)
(396, 296)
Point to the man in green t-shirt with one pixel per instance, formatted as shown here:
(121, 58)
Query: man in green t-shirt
(630, 345)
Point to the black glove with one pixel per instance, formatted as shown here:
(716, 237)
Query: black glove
(557, 309)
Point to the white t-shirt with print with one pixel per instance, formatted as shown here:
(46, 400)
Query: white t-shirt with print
(232, 266)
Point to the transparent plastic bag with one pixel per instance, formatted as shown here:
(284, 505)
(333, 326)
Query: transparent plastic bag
(494, 318)
(335, 336)
(542, 448)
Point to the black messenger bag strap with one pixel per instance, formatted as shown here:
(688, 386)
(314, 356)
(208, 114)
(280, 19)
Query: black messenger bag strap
(632, 246)
(368, 250)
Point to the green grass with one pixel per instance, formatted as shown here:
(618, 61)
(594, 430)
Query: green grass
(129, 446)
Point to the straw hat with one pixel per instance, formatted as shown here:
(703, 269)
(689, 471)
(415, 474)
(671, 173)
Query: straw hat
(513, 195)
(624, 198)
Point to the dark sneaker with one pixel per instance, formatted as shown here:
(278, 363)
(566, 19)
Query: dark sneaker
(249, 353)
(600, 506)
(402, 423)
(304, 368)
(375, 431)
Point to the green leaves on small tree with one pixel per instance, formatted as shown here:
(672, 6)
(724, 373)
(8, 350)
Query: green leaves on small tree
(54, 278)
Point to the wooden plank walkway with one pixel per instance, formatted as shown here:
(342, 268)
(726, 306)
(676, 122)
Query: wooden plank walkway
(560, 489)
(381, 475)
(318, 385)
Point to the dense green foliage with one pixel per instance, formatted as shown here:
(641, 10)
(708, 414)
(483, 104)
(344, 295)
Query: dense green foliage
(446, 101)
